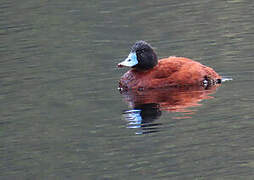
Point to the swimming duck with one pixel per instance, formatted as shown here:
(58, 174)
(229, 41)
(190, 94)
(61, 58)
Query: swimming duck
(147, 72)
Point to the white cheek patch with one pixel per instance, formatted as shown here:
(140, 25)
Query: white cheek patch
(130, 61)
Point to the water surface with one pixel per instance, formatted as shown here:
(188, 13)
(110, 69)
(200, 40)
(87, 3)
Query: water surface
(62, 116)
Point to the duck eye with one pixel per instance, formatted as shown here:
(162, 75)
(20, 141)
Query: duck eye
(129, 60)
(142, 52)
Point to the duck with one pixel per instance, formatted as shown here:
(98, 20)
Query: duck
(147, 72)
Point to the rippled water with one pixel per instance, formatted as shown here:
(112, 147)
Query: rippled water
(62, 117)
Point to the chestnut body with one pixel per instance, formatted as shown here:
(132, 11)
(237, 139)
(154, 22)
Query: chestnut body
(168, 72)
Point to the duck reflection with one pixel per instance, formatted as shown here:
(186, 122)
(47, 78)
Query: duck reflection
(147, 106)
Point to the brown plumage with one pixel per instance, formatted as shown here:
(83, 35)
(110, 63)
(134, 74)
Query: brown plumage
(168, 72)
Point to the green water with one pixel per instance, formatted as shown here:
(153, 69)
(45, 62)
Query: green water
(62, 117)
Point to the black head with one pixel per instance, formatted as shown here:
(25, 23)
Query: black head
(141, 57)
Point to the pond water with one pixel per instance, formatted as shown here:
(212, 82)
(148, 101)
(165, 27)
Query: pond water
(62, 116)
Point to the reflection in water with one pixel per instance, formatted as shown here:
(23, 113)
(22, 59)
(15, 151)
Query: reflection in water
(142, 117)
(147, 105)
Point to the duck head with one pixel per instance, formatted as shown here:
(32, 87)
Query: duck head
(141, 57)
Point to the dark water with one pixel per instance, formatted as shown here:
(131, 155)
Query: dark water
(62, 117)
